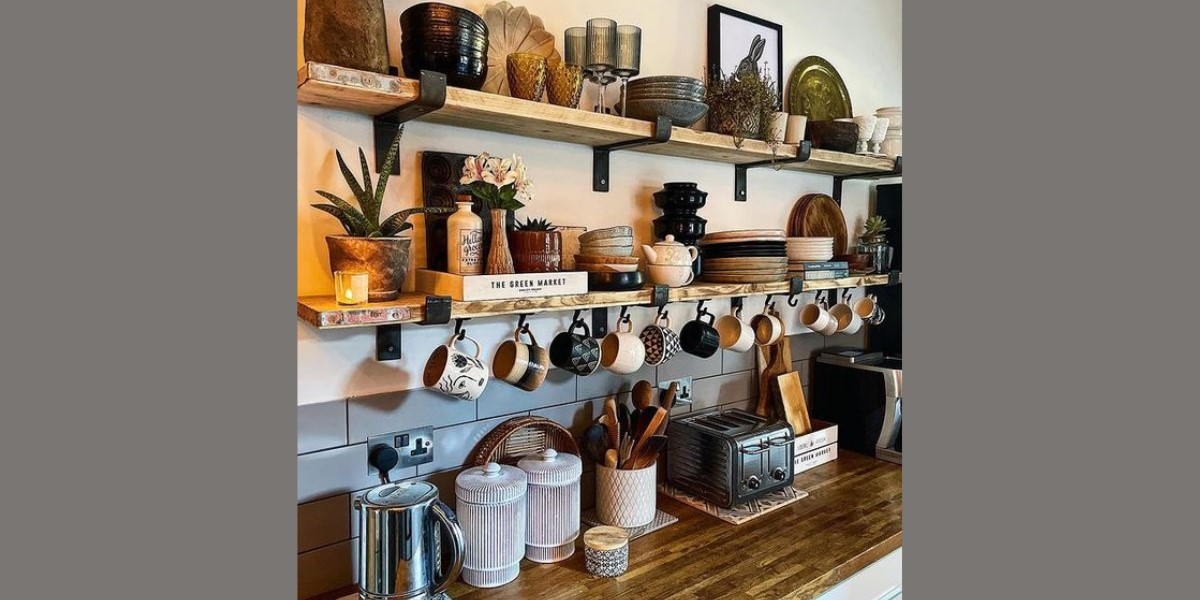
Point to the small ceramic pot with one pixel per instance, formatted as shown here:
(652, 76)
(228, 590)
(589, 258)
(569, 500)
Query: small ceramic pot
(536, 251)
(606, 551)
(384, 259)
(626, 497)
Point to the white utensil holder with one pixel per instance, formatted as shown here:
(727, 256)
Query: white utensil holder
(626, 497)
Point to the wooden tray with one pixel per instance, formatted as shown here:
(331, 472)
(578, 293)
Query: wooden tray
(822, 217)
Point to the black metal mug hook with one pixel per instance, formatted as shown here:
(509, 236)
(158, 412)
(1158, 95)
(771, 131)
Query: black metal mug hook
(459, 332)
(700, 307)
(578, 314)
(793, 300)
(662, 311)
(522, 326)
(624, 316)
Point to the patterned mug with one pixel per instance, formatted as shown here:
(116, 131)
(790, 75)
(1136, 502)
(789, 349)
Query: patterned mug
(661, 343)
(455, 373)
(576, 353)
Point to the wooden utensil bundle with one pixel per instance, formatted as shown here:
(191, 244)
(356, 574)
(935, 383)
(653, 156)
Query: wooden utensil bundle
(631, 439)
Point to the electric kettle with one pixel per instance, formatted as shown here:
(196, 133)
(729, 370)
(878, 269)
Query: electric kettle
(401, 530)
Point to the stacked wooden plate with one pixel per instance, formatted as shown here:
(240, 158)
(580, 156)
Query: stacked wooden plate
(613, 241)
(809, 249)
(817, 215)
(744, 256)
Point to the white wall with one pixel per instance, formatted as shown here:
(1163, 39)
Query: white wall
(860, 37)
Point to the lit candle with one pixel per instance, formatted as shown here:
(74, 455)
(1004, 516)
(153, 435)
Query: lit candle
(350, 287)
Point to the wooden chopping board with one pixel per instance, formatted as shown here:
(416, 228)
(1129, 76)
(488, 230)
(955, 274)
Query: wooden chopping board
(791, 399)
(778, 362)
(822, 217)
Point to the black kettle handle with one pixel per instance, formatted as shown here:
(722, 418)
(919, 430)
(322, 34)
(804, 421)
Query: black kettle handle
(449, 522)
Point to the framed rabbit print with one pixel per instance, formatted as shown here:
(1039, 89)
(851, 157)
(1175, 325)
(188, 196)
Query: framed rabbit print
(744, 44)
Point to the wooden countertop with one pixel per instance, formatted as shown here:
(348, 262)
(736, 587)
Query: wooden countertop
(850, 519)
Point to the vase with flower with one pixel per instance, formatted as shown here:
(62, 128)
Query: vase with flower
(502, 186)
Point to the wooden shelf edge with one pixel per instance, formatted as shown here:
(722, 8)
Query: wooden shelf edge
(372, 94)
(324, 313)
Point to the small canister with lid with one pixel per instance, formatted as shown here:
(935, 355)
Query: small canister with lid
(606, 551)
(552, 523)
(491, 512)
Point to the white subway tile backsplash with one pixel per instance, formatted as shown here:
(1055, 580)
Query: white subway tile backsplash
(712, 391)
(320, 426)
(340, 470)
(688, 365)
(453, 444)
(735, 362)
(500, 398)
(576, 416)
(397, 411)
(602, 384)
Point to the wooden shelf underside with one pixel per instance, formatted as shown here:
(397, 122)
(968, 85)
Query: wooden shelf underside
(374, 94)
(324, 313)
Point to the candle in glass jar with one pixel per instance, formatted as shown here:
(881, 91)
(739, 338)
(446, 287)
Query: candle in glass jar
(350, 287)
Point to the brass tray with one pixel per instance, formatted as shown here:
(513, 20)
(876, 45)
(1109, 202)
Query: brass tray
(816, 90)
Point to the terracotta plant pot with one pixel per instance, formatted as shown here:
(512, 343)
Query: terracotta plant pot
(385, 259)
(536, 251)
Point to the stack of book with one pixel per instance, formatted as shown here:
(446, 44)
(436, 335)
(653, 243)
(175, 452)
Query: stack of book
(808, 270)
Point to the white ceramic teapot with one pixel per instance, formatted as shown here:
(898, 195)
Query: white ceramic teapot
(670, 252)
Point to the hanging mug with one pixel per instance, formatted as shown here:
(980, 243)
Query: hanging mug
(522, 364)
(868, 308)
(699, 338)
(455, 373)
(815, 317)
(577, 353)
(767, 326)
(622, 352)
(661, 343)
(735, 334)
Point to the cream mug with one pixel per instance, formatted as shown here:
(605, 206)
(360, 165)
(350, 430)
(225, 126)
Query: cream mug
(868, 308)
(455, 373)
(814, 316)
(848, 321)
(622, 352)
(767, 326)
(523, 365)
(736, 335)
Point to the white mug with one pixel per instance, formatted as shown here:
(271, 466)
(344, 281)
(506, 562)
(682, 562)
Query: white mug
(848, 321)
(868, 308)
(815, 317)
(767, 327)
(736, 335)
(455, 373)
(622, 352)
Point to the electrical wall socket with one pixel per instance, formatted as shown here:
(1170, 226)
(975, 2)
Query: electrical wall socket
(683, 394)
(415, 447)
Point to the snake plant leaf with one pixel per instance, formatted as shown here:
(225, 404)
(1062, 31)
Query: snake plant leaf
(359, 223)
(337, 212)
(394, 224)
(367, 199)
(350, 179)
(388, 163)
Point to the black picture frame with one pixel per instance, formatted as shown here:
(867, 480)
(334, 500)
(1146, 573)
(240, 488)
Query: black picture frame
(715, 38)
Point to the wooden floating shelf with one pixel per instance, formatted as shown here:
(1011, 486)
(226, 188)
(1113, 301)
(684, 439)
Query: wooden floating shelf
(374, 94)
(325, 313)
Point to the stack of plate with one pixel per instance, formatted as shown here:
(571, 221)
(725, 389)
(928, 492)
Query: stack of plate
(605, 255)
(446, 39)
(818, 215)
(678, 98)
(809, 249)
(614, 241)
(744, 256)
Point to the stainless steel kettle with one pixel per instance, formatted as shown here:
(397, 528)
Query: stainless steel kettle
(400, 534)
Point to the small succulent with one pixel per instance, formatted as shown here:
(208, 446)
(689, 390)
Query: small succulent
(365, 222)
(875, 226)
(536, 225)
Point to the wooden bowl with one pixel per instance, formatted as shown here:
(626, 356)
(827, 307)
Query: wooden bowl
(616, 260)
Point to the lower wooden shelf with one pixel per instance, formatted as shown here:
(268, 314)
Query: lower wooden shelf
(324, 312)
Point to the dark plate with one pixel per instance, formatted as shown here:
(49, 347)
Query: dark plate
(760, 252)
(745, 245)
(838, 136)
(615, 282)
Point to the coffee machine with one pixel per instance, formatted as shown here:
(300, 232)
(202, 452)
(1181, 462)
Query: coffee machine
(861, 391)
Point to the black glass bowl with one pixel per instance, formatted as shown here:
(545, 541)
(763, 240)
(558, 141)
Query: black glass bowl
(609, 281)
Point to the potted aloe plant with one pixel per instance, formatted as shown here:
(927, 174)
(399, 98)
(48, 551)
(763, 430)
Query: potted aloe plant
(536, 247)
(370, 244)
(502, 187)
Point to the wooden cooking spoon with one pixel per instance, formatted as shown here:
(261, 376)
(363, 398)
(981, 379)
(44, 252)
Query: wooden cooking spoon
(614, 424)
(642, 391)
(660, 414)
(668, 398)
(610, 458)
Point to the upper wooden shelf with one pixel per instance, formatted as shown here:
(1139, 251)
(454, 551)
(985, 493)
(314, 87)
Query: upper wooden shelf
(373, 94)
(325, 313)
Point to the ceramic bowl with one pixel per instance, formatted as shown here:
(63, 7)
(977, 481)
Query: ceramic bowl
(611, 281)
(606, 242)
(605, 268)
(609, 232)
(612, 260)
(606, 250)
(682, 113)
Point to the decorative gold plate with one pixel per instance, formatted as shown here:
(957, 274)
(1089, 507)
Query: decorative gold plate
(817, 91)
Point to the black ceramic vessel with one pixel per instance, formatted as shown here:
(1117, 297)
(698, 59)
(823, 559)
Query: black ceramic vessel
(679, 201)
(446, 39)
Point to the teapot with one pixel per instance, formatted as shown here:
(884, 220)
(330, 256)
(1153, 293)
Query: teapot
(670, 252)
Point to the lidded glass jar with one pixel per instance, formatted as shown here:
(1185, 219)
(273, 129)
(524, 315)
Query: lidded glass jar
(552, 522)
(491, 512)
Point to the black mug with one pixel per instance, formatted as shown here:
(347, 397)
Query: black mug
(579, 354)
(700, 338)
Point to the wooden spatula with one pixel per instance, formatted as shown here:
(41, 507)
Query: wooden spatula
(610, 459)
(649, 453)
(614, 424)
(649, 429)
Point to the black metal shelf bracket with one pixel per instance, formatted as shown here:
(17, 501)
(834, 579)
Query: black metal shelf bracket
(736, 302)
(795, 288)
(803, 150)
(896, 171)
(600, 178)
(387, 342)
(430, 97)
(660, 295)
(437, 310)
(599, 322)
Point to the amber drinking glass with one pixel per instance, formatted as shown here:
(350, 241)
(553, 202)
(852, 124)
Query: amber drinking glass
(526, 75)
(564, 84)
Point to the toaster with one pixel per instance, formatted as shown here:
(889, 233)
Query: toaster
(729, 457)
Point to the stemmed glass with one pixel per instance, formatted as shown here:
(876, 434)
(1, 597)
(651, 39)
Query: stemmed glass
(575, 44)
(601, 54)
(629, 56)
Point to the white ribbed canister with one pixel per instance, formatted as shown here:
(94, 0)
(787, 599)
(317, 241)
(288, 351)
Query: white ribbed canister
(491, 512)
(553, 517)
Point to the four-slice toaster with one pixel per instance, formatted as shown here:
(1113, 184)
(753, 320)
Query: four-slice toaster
(729, 457)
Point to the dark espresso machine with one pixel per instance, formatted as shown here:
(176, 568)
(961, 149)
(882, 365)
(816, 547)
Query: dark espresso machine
(861, 389)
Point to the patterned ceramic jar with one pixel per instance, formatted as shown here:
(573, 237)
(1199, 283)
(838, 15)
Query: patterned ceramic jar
(491, 512)
(606, 551)
(626, 497)
(552, 521)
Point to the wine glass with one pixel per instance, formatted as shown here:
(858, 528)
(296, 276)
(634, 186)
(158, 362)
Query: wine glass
(881, 127)
(601, 55)
(629, 56)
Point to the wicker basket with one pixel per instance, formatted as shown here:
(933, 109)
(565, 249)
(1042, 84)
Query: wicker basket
(517, 437)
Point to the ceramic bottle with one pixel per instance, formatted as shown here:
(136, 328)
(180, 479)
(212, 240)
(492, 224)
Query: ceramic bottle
(464, 241)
